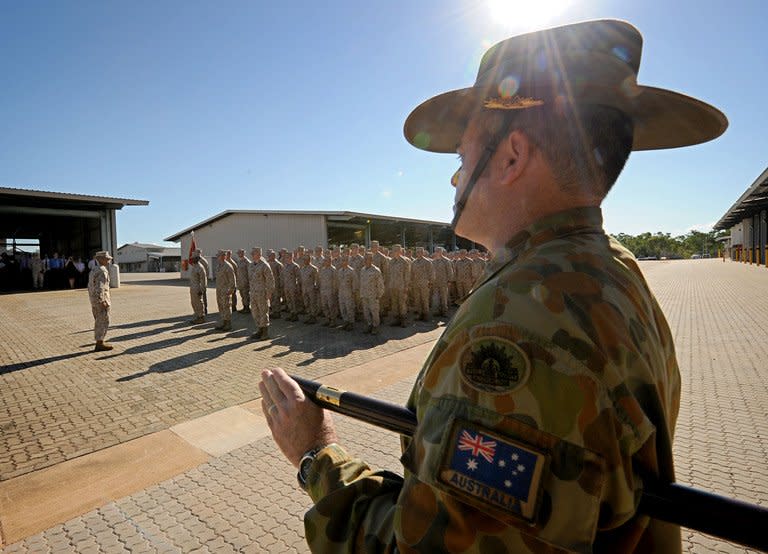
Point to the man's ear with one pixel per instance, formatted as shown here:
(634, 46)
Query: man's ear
(515, 155)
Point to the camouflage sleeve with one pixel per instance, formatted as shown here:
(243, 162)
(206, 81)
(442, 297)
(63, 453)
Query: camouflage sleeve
(354, 506)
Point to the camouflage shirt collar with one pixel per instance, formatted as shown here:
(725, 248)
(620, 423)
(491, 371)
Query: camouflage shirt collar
(551, 227)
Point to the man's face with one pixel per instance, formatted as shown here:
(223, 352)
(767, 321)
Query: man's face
(256, 253)
(396, 252)
(368, 260)
(471, 222)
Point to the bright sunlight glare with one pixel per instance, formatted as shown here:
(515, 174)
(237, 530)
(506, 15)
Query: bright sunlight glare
(525, 14)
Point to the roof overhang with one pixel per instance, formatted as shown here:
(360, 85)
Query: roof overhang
(754, 199)
(340, 217)
(63, 200)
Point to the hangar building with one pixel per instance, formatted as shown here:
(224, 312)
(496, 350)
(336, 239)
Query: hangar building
(73, 224)
(746, 220)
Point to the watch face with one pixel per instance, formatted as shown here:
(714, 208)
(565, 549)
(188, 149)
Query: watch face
(304, 465)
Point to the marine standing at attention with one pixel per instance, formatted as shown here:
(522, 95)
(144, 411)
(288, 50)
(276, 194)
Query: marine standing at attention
(225, 286)
(262, 286)
(243, 283)
(197, 283)
(554, 389)
(98, 292)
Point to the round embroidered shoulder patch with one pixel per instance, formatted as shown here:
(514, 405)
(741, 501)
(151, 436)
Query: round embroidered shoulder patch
(494, 365)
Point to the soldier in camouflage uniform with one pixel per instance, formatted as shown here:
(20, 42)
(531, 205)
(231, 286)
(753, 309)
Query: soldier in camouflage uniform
(381, 261)
(233, 264)
(463, 272)
(371, 291)
(262, 285)
(422, 277)
(98, 292)
(276, 302)
(554, 389)
(399, 276)
(197, 283)
(243, 282)
(478, 265)
(290, 278)
(225, 286)
(204, 262)
(443, 277)
(347, 284)
(308, 277)
(326, 282)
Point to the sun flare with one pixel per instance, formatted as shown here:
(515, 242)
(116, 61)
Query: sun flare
(526, 14)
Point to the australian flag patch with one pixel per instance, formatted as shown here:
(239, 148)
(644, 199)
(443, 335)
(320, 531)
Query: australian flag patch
(493, 471)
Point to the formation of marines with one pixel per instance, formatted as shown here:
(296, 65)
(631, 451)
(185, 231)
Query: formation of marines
(338, 285)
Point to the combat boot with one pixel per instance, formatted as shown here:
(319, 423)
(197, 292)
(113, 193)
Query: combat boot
(197, 320)
(347, 326)
(102, 346)
(312, 319)
(368, 329)
(374, 330)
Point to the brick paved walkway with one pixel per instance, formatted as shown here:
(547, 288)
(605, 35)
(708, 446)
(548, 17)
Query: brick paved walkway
(60, 400)
(247, 501)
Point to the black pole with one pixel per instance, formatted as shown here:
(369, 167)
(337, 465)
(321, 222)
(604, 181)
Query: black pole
(719, 516)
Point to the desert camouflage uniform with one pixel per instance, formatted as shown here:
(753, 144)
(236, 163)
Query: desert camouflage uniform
(422, 276)
(326, 280)
(347, 283)
(357, 262)
(98, 292)
(275, 304)
(371, 291)
(398, 279)
(225, 286)
(203, 262)
(197, 284)
(233, 264)
(478, 268)
(443, 276)
(561, 350)
(291, 287)
(381, 261)
(262, 284)
(464, 279)
(308, 275)
(243, 281)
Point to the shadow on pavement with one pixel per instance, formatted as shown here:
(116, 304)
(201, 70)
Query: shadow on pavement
(42, 361)
(184, 361)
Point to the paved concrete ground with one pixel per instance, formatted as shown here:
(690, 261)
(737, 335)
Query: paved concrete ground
(57, 401)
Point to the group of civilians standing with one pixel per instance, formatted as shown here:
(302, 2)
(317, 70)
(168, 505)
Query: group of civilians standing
(21, 270)
(337, 284)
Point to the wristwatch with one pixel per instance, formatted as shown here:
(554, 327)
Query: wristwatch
(304, 464)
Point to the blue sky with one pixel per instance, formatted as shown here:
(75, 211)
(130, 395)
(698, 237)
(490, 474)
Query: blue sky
(200, 107)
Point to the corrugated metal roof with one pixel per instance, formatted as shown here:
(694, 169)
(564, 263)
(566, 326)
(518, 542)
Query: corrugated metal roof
(330, 215)
(86, 198)
(754, 199)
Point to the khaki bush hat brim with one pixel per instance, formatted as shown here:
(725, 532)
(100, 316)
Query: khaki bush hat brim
(102, 254)
(593, 62)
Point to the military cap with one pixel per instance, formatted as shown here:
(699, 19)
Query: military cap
(592, 62)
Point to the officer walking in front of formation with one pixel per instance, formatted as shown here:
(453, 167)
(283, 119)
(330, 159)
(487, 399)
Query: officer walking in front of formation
(398, 278)
(204, 262)
(422, 277)
(262, 285)
(371, 291)
(225, 286)
(98, 292)
(443, 276)
(347, 284)
(276, 302)
(326, 280)
(291, 278)
(243, 282)
(198, 280)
